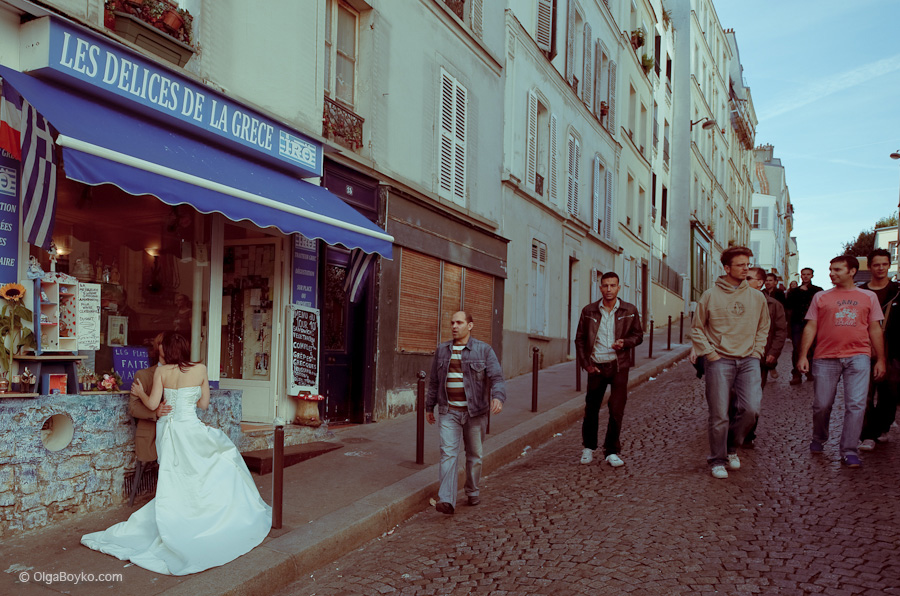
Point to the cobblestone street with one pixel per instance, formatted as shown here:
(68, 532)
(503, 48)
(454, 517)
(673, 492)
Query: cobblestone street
(787, 522)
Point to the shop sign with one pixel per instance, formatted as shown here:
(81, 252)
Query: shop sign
(304, 350)
(76, 53)
(127, 360)
(304, 271)
(9, 218)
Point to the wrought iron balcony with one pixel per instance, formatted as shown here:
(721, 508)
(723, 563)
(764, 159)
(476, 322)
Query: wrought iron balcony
(342, 126)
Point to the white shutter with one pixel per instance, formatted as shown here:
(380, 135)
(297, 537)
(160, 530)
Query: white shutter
(570, 176)
(544, 33)
(587, 82)
(459, 152)
(595, 224)
(598, 75)
(542, 289)
(608, 207)
(595, 287)
(612, 97)
(570, 41)
(531, 141)
(445, 173)
(577, 175)
(764, 218)
(478, 17)
(554, 162)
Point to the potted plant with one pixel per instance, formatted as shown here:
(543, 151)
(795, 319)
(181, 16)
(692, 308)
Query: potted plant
(646, 63)
(12, 314)
(637, 38)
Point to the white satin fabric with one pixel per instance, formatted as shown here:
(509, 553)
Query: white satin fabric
(207, 510)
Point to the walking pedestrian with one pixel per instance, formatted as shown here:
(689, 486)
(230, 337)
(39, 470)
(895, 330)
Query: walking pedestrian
(845, 322)
(730, 329)
(797, 303)
(881, 405)
(774, 344)
(607, 333)
(773, 289)
(465, 383)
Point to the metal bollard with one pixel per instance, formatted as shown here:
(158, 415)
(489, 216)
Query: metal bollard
(534, 378)
(669, 335)
(651, 339)
(278, 476)
(420, 418)
(681, 327)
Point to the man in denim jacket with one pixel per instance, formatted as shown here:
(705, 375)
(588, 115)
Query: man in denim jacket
(465, 382)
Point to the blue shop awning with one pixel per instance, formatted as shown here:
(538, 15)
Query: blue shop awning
(106, 145)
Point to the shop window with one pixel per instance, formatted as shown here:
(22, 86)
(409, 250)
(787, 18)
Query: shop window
(341, 24)
(431, 290)
(150, 261)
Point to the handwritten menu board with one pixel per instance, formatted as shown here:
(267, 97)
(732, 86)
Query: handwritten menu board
(304, 349)
(87, 316)
(9, 218)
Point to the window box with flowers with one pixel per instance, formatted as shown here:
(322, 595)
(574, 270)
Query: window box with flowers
(158, 26)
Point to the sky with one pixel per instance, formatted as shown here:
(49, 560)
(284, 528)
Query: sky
(825, 80)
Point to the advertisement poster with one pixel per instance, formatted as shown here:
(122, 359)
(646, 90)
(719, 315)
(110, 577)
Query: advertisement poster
(304, 272)
(9, 217)
(87, 317)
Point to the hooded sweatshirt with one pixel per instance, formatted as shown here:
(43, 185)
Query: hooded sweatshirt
(731, 321)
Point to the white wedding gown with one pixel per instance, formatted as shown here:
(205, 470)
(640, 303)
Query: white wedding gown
(207, 510)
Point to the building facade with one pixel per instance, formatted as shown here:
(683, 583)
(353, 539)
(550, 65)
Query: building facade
(771, 219)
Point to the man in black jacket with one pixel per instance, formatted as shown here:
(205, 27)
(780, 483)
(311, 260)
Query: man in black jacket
(798, 301)
(608, 331)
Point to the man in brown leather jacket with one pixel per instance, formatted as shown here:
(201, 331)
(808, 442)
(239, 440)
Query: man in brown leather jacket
(608, 331)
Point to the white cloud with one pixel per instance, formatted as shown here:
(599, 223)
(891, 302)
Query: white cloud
(833, 84)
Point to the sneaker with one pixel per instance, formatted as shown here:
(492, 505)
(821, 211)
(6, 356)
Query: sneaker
(796, 380)
(444, 507)
(734, 462)
(867, 445)
(474, 500)
(614, 460)
(884, 438)
(816, 446)
(587, 456)
(851, 461)
(719, 472)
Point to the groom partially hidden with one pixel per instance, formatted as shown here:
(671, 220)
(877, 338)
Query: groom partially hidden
(145, 431)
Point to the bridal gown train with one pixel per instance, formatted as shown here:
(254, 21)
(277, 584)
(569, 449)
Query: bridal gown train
(207, 510)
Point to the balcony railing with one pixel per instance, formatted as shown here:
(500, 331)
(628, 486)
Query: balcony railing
(342, 126)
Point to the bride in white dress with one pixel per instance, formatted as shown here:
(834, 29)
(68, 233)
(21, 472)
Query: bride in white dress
(207, 510)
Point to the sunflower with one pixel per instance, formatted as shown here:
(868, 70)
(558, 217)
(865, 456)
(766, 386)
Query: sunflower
(12, 293)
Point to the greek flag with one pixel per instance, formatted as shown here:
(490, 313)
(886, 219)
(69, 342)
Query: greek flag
(19, 121)
(356, 273)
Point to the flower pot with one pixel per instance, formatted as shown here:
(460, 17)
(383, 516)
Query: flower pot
(172, 21)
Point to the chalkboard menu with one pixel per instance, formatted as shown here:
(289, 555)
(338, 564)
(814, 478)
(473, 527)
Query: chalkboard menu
(304, 349)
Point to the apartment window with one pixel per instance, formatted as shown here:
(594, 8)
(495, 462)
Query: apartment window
(664, 208)
(470, 12)
(538, 303)
(598, 194)
(641, 210)
(630, 197)
(572, 175)
(431, 290)
(453, 125)
(340, 51)
(632, 112)
(604, 87)
(575, 51)
(545, 34)
(537, 145)
(755, 221)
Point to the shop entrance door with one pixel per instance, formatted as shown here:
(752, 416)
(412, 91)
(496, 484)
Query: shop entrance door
(343, 343)
(251, 314)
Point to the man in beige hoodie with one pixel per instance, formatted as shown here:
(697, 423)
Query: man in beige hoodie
(730, 329)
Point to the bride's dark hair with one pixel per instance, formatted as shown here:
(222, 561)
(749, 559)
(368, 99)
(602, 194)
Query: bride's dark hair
(176, 350)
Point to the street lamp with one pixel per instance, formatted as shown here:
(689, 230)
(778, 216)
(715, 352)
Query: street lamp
(710, 123)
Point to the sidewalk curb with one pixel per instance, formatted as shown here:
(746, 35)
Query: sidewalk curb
(285, 559)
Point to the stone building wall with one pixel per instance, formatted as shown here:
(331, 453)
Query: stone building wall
(39, 486)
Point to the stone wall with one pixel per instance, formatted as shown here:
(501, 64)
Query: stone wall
(39, 486)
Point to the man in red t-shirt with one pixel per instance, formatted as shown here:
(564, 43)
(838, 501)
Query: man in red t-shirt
(844, 322)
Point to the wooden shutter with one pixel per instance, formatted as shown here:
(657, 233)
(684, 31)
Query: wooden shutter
(531, 141)
(554, 162)
(612, 97)
(608, 207)
(478, 301)
(445, 173)
(587, 83)
(570, 41)
(419, 302)
(451, 297)
(544, 33)
(596, 215)
(477, 22)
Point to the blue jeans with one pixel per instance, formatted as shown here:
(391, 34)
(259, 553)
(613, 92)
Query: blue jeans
(854, 370)
(741, 375)
(459, 430)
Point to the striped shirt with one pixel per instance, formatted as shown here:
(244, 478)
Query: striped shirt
(606, 335)
(456, 391)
